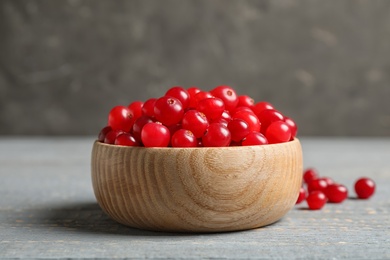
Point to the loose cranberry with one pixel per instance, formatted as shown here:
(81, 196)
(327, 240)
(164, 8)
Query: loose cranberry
(245, 101)
(217, 135)
(328, 180)
(336, 193)
(181, 94)
(111, 136)
(239, 129)
(120, 118)
(168, 110)
(254, 138)
(227, 95)
(364, 188)
(184, 138)
(148, 107)
(155, 135)
(136, 109)
(301, 196)
(126, 139)
(103, 132)
(278, 132)
(317, 184)
(250, 118)
(211, 107)
(292, 125)
(316, 200)
(196, 122)
(310, 174)
(267, 117)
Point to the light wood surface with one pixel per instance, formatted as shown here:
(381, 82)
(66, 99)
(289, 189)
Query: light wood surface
(197, 189)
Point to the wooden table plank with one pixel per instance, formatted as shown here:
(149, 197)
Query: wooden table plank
(48, 210)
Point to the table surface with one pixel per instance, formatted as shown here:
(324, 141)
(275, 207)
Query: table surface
(48, 209)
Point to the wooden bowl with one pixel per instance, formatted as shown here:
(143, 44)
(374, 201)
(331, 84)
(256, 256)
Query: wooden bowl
(197, 189)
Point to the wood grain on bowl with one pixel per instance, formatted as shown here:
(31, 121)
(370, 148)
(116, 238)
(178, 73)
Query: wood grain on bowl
(197, 189)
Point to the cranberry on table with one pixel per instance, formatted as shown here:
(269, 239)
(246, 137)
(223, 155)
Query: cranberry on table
(364, 188)
(316, 200)
(310, 174)
(317, 184)
(336, 193)
(155, 135)
(217, 135)
(301, 196)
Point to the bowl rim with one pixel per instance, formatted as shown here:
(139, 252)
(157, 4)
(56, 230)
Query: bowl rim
(293, 141)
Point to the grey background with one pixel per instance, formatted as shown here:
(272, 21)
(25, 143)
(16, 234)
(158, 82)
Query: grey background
(64, 64)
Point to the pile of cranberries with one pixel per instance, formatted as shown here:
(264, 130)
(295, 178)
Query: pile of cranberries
(196, 118)
(320, 190)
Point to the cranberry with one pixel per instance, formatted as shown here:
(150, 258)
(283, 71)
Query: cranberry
(103, 132)
(336, 193)
(168, 110)
(261, 106)
(278, 132)
(250, 118)
(309, 175)
(196, 122)
(184, 138)
(239, 129)
(317, 184)
(139, 124)
(267, 117)
(254, 138)
(148, 107)
(120, 118)
(111, 136)
(245, 101)
(227, 95)
(200, 96)
(136, 109)
(292, 125)
(192, 91)
(301, 196)
(181, 94)
(316, 200)
(211, 107)
(364, 188)
(126, 139)
(328, 180)
(155, 135)
(217, 135)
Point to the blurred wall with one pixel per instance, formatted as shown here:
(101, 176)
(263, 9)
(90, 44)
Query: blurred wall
(64, 64)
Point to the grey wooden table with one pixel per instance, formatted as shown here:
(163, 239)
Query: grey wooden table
(48, 210)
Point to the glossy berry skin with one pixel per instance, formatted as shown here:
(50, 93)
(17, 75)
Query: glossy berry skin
(126, 139)
(217, 135)
(155, 135)
(184, 138)
(267, 117)
(309, 175)
(364, 188)
(103, 132)
(301, 196)
(211, 107)
(245, 101)
(111, 136)
(278, 132)
(228, 95)
(139, 124)
(120, 118)
(196, 122)
(328, 180)
(336, 193)
(136, 109)
(293, 126)
(261, 106)
(254, 138)
(239, 129)
(250, 118)
(181, 94)
(148, 107)
(200, 96)
(192, 91)
(168, 110)
(316, 200)
(317, 184)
